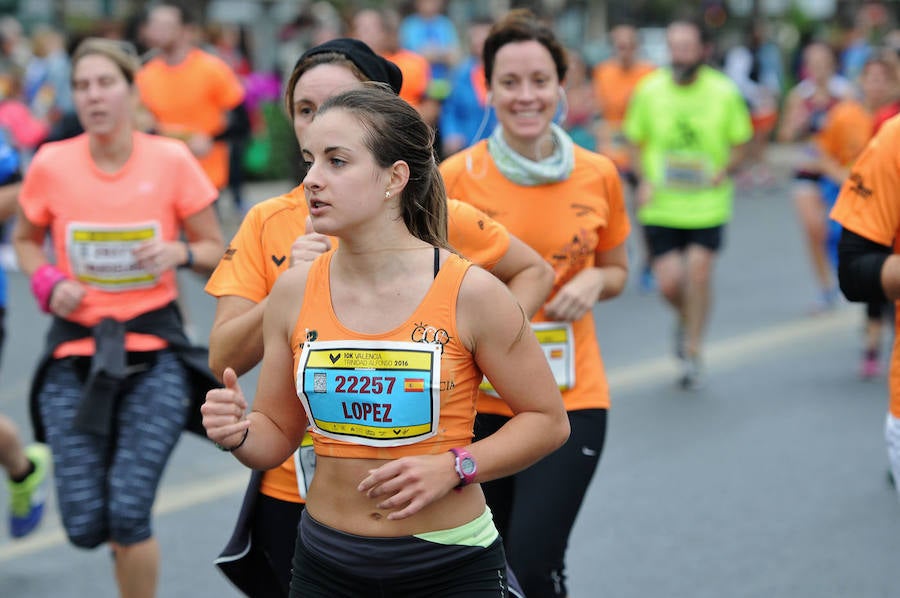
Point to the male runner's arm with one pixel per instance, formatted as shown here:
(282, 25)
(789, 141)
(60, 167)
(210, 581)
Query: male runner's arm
(236, 338)
(735, 159)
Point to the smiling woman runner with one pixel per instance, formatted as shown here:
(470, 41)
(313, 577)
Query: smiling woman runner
(566, 202)
(391, 417)
(275, 236)
(111, 392)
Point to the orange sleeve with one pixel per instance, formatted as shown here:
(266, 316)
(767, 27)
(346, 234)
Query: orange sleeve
(867, 204)
(242, 271)
(478, 237)
(618, 225)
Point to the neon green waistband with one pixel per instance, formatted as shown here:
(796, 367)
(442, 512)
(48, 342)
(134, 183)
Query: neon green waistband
(478, 532)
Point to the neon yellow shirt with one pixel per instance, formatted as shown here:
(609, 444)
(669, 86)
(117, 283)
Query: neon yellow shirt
(686, 134)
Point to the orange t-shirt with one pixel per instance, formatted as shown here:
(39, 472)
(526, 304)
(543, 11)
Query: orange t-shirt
(95, 219)
(567, 223)
(193, 96)
(613, 87)
(848, 128)
(868, 206)
(399, 388)
(416, 75)
(261, 250)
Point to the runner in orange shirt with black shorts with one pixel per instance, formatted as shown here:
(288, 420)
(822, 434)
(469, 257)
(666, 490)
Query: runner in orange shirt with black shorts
(566, 202)
(868, 260)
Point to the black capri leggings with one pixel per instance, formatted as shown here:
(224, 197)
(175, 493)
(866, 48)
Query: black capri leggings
(534, 510)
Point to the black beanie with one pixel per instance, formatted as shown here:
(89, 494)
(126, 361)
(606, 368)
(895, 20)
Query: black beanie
(371, 64)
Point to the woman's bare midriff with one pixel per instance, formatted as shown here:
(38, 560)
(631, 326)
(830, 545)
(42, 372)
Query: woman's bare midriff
(334, 500)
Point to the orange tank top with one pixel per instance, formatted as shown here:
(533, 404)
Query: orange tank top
(409, 391)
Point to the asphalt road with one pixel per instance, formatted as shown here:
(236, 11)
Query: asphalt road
(770, 481)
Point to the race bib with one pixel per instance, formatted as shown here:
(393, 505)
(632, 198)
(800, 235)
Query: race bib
(374, 393)
(686, 171)
(102, 255)
(558, 343)
(305, 465)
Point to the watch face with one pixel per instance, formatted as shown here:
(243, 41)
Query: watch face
(467, 466)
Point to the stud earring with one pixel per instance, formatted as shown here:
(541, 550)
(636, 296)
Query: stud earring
(387, 194)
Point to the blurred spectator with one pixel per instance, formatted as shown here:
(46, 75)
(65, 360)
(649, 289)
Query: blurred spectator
(134, 30)
(856, 45)
(14, 45)
(755, 68)
(433, 35)
(579, 108)
(18, 125)
(466, 116)
(229, 42)
(378, 30)
(890, 55)
(191, 93)
(47, 84)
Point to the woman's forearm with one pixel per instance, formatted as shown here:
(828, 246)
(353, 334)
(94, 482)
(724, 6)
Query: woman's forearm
(522, 441)
(266, 445)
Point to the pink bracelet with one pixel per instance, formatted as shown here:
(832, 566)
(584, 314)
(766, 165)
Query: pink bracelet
(43, 281)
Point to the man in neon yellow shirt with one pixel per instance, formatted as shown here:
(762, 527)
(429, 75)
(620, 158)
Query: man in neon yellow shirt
(689, 124)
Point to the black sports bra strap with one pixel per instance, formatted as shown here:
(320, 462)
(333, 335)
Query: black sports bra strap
(437, 261)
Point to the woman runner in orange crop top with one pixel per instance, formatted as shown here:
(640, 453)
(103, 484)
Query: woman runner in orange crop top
(382, 511)
(275, 236)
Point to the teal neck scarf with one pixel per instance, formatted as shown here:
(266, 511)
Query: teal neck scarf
(523, 171)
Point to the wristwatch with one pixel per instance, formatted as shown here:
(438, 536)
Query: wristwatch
(465, 466)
